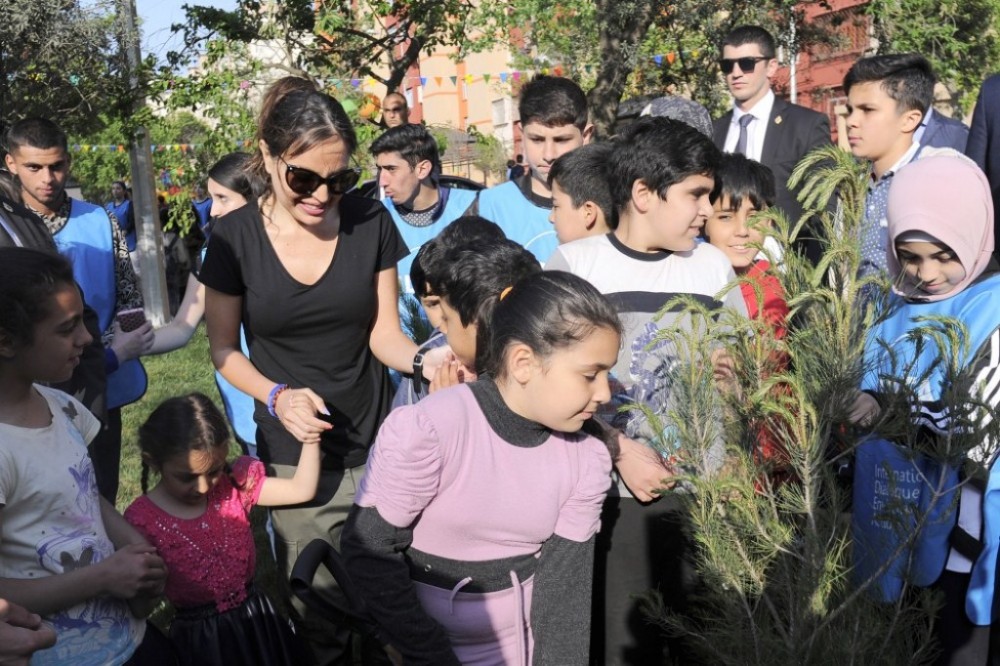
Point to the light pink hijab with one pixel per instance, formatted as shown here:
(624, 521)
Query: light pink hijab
(945, 195)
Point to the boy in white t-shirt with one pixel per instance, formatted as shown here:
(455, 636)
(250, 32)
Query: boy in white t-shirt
(661, 174)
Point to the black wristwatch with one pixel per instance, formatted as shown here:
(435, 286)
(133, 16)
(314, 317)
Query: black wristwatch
(418, 366)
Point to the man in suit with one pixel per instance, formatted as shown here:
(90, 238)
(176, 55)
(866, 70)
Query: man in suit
(938, 131)
(984, 142)
(762, 126)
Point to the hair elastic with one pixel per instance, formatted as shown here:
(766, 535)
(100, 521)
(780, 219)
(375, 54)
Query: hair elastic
(503, 294)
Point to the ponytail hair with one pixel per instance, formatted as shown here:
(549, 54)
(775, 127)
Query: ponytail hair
(546, 311)
(180, 425)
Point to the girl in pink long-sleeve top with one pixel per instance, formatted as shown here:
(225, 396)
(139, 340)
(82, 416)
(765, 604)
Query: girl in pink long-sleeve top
(472, 536)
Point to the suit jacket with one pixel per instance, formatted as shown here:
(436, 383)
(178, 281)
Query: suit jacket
(945, 132)
(89, 381)
(984, 143)
(792, 132)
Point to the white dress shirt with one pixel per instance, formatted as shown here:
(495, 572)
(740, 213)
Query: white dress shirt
(756, 130)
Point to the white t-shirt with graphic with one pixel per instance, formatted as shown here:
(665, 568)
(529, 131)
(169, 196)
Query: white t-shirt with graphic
(52, 524)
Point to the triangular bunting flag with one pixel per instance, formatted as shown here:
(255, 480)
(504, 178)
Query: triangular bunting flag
(437, 80)
(355, 82)
(517, 75)
(486, 78)
(454, 80)
(423, 81)
(468, 78)
(503, 77)
(658, 59)
(671, 57)
(557, 70)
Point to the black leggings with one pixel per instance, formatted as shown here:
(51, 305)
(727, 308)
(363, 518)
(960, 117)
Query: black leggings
(155, 650)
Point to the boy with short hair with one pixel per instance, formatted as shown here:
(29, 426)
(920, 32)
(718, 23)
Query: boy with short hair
(661, 175)
(581, 200)
(886, 99)
(427, 269)
(745, 187)
(408, 160)
(470, 286)
(554, 122)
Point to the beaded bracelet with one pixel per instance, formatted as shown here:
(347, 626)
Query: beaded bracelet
(272, 398)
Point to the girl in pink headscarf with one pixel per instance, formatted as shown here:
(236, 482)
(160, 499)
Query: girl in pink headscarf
(940, 227)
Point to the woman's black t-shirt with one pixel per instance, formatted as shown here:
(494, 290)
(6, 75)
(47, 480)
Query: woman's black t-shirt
(312, 336)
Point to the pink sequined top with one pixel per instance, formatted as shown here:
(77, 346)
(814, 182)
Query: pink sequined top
(211, 558)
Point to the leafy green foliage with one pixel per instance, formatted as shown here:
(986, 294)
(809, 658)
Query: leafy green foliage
(773, 536)
(959, 38)
(60, 60)
(331, 38)
(185, 148)
(490, 156)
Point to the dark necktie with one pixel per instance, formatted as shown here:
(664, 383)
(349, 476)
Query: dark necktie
(741, 142)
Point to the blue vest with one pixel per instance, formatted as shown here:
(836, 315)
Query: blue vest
(203, 209)
(86, 240)
(122, 212)
(885, 470)
(520, 219)
(458, 201)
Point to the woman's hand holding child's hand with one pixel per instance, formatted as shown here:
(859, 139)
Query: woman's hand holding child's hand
(135, 570)
(128, 345)
(297, 410)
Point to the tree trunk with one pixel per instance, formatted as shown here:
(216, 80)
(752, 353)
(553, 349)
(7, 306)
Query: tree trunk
(623, 24)
(398, 68)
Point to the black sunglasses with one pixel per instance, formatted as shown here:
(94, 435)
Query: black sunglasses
(304, 181)
(747, 64)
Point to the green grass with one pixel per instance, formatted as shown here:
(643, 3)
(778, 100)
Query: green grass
(180, 372)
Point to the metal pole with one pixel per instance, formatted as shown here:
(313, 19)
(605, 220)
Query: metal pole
(793, 60)
(147, 220)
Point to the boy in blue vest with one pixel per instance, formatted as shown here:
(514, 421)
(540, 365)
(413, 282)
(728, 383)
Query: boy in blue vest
(407, 160)
(92, 240)
(554, 121)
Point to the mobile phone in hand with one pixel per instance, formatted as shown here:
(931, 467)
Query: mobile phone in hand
(129, 320)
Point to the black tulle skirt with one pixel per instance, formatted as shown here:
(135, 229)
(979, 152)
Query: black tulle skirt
(252, 634)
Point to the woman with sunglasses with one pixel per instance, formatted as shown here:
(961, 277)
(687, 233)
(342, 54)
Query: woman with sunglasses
(311, 275)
